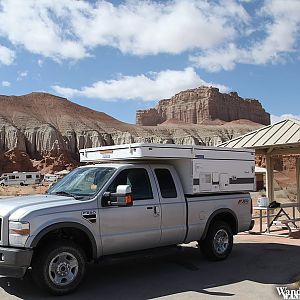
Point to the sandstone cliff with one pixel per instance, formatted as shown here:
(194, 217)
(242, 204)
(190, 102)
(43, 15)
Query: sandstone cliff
(45, 132)
(203, 105)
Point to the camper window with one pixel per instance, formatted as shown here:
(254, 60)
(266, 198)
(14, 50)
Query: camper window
(28, 176)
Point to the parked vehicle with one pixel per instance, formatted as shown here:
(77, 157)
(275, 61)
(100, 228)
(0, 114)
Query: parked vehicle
(144, 196)
(51, 178)
(20, 178)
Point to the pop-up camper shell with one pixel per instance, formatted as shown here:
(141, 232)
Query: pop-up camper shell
(201, 169)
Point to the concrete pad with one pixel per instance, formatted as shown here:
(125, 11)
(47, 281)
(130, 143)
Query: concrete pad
(256, 266)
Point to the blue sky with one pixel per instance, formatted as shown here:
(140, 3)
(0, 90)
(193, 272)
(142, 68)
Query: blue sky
(120, 56)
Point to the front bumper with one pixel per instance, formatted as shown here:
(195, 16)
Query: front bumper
(14, 262)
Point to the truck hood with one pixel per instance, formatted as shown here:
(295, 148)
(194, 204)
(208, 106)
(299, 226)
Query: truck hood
(24, 203)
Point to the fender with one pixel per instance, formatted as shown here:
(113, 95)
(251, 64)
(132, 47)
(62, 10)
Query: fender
(214, 214)
(60, 225)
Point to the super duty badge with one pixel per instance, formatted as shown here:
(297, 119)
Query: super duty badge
(90, 215)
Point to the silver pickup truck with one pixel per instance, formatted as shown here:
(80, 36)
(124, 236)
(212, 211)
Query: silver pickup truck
(105, 209)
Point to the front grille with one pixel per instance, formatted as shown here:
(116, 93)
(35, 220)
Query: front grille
(0, 229)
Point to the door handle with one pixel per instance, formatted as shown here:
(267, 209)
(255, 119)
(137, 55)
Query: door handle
(149, 207)
(156, 211)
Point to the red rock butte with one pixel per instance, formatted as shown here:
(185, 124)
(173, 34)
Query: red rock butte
(202, 106)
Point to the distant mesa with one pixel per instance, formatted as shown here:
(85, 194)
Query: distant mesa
(204, 105)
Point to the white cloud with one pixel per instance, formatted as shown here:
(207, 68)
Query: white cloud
(69, 29)
(217, 34)
(150, 87)
(148, 27)
(5, 83)
(222, 58)
(275, 119)
(279, 38)
(40, 62)
(282, 32)
(40, 27)
(22, 75)
(7, 55)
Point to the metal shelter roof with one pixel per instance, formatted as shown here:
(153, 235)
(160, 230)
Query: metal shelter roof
(284, 134)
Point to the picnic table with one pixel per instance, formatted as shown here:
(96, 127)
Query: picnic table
(272, 218)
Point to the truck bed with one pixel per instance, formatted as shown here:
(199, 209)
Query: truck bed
(202, 208)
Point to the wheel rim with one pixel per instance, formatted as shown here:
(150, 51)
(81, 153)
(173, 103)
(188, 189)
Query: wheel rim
(221, 241)
(63, 269)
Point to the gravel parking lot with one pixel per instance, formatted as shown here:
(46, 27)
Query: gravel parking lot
(257, 265)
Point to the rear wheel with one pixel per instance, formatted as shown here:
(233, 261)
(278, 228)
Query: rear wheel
(59, 268)
(218, 242)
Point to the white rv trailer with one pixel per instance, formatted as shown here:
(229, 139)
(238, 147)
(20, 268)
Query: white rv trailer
(51, 178)
(201, 169)
(20, 178)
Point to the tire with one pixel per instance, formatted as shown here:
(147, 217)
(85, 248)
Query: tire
(21, 183)
(218, 242)
(59, 267)
(2, 184)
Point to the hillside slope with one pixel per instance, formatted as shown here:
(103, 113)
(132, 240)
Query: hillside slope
(43, 131)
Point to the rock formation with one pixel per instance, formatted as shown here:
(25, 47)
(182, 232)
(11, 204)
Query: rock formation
(203, 105)
(44, 132)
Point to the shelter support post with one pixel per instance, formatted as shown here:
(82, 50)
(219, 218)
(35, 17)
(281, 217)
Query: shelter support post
(270, 177)
(298, 179)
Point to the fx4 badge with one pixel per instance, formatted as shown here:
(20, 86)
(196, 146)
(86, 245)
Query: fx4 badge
(243, 201)
(90, 215)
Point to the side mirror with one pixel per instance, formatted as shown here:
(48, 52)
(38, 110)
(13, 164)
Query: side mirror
(122, 197)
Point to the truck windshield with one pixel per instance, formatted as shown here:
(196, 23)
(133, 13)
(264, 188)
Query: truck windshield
(82, 183)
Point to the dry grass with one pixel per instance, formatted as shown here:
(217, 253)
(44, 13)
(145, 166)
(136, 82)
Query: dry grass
(22, 190)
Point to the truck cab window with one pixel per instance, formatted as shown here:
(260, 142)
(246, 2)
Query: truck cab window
(139, 181)
(166, 183)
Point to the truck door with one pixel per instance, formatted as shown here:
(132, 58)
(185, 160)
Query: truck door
(136, 227)
(173, 205)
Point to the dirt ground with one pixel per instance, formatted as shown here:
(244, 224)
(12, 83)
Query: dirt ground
(23, 190)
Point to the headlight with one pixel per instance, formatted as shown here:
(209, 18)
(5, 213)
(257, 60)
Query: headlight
(18, 233)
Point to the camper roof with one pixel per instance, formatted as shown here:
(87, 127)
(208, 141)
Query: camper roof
(146, 151)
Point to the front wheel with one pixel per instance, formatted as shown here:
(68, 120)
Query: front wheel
(218, 242)
(59, 268)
